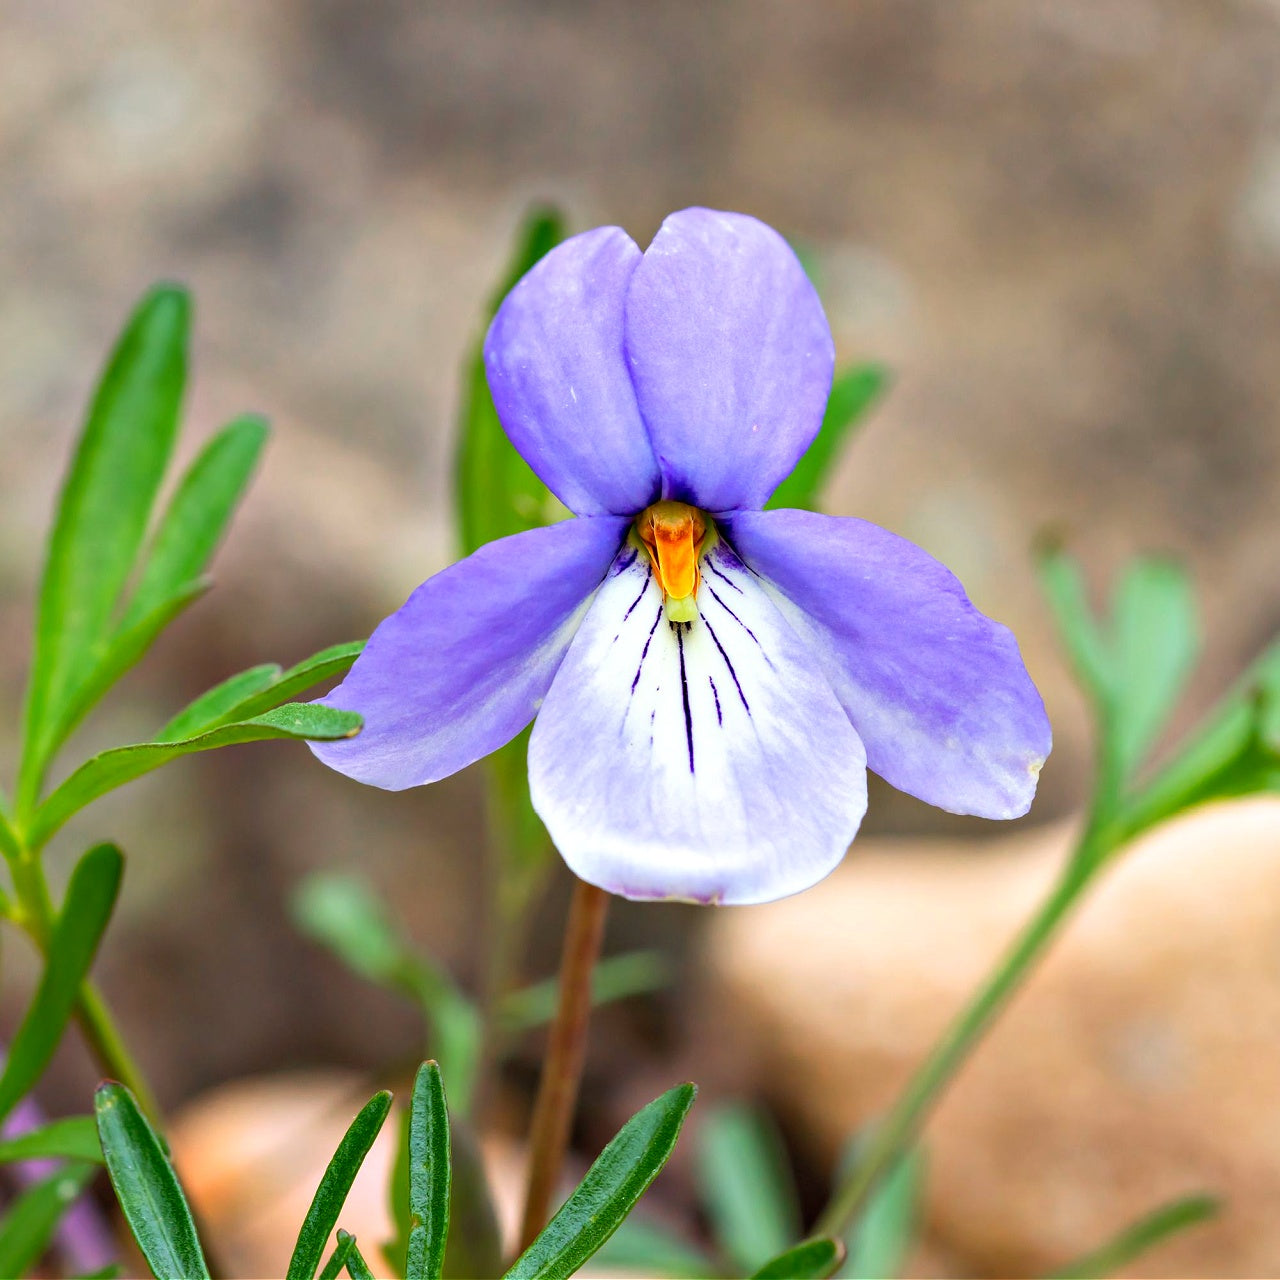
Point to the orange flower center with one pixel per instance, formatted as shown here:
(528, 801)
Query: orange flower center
(673, 534)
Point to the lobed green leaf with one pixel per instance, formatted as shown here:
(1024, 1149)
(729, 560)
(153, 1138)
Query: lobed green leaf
(72, 945)
(103, 512)
(430, 1176)
(331, 1194)
(1137, 1239)
(853, 392)
(747, 1186)
(809, 1260)
(147, 1187)
(610, 1190)
(26, 1230)
(111, 769)
(73, 1138)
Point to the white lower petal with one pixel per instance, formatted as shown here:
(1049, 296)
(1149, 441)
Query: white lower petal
(706, 761)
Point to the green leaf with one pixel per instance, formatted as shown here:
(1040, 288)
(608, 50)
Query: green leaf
(326, 665)
(103, 512)
(853, 392)
(10, 845)
(747, 1186)
(429, 1176)
(105, 1273)
(199, 512)
(75, 1138)
(357, 1267)
(645, 1249)
(879, 1241)
(610, 1190)
(1143, 1235)
(338, 1258)
(515, 828)
(497, 493)
(616, 978)
(1063, 584)
(475, 1241)
(331, 1194)
(809, 1260)
(209, 709)
(27, 1228)
(73, 943)
(1155, 645)
(147, 1187)
(111, 769)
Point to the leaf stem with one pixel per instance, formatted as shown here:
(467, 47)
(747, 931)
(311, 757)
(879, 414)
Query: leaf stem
(566, 1052)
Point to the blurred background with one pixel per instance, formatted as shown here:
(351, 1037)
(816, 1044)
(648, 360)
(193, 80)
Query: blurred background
(1056, 221)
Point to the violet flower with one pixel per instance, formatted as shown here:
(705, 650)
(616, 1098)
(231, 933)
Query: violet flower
(710, 681)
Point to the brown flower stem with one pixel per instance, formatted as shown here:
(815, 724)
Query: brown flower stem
(566, 1052)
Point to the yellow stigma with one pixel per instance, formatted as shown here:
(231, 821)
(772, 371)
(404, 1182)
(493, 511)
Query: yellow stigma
(673, 533)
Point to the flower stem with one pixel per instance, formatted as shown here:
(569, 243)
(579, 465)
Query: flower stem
(566, 1052)
(900, 1128)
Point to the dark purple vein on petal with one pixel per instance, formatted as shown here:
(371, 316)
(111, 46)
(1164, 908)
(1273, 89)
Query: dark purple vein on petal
(715, 693)
(716, 639)
(684, 694)
(645, 651)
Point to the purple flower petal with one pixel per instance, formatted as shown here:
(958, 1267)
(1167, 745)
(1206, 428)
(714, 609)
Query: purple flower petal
(731, 357)
(936, 690)
(559, 379)
(461, 668)
(707, 761)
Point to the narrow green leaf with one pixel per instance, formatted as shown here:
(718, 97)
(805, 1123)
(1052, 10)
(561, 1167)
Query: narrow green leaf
(212, 705)
(326, 665)
(104, 1273)
(1155, 646)
(338, 1258)
(430, 1176)
(91, 896)
(27, 1228)
(331, 1194)
(103, 512)
(125, 649)
(396, 1250)
(643, 1248)
(747, 1185)
(147, 1187)
(111, 769)
(75, 1138)
(1137, 1239)
(475, 1240)
(199, 512)
(610, 1190)
(357, 1267)
(1063, 584)
(853, 392)
(879, 1241)
(809, 1260)
(10, 845)
(497, 493)
(633, 974)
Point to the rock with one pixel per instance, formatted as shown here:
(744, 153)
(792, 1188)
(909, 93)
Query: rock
(1138, 1064)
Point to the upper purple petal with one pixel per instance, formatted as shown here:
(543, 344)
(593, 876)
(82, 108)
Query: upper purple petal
(731, 357)
(554, 356)
(936, 690)
(464, 665)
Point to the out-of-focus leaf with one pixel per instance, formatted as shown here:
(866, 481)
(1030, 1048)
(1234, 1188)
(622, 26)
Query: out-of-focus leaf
(879, 1241)
(338, 1258)
(610, 1190)
(474, 1251)
(1155, 645)
(147, 1187)
(331, 1194)
(746, 1185)
(75, 1138)
(91, 896)
(27, 1228)
(1136, 1240)
(344, 914)
(809, 1260)
(645, 1249)
(496, 492)
(853, 392)
(10, 845)
(396, 1250)
(104, 1273)
(516, 829)
(429, 1176)
(1064, 588)
(102, 515)
(635, 973)
(111, 769)
(199, 512)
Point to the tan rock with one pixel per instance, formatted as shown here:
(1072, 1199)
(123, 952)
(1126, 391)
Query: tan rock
(1138, 1064)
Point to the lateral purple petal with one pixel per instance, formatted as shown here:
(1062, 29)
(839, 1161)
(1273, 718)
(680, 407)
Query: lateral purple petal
(464, 665)
(554, 357)
(936, 690)
(731, 357)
